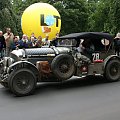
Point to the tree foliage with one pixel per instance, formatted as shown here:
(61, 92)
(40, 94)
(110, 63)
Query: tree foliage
(8, 17)
(106, 16)
(76, 15)
(73, 14)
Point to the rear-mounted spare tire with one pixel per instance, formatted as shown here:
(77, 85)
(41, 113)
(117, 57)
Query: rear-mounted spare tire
(63, 66)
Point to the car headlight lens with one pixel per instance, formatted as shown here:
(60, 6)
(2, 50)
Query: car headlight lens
(7, 61)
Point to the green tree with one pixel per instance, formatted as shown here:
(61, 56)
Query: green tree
(8, 18)
(98, 16)
(73, 15)
(105, 16)
(114, 16)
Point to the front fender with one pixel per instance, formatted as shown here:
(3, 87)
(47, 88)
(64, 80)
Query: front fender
(23, 64)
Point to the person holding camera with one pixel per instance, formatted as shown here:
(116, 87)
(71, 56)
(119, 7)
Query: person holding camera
(9, 40)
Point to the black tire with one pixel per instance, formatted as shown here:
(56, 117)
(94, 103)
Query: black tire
(4, 84)
(112, 70)
(63, 66)
(22, 82)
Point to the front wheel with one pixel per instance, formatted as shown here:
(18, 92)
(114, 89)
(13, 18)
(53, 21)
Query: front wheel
(112, 70)
(22, 82)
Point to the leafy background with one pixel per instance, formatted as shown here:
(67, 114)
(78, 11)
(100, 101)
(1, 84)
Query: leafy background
(76, 15)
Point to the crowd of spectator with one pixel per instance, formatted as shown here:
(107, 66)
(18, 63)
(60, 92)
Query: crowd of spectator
(9, 42)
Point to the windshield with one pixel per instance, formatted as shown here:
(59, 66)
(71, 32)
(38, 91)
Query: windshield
(66, 42)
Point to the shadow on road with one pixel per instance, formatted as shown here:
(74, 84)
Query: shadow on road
(70, 84)
(73, 83)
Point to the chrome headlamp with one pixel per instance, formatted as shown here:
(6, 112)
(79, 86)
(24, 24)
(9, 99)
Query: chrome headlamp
(7, 61)
(10, 61)
(18, 54)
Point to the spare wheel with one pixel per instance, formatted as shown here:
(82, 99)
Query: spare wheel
(63, 66)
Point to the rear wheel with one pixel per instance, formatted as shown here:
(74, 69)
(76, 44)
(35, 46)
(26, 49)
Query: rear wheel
(112, 70)
(22, 82)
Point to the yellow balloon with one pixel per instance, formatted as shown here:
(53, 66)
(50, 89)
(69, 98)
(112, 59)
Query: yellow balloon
(42, 19)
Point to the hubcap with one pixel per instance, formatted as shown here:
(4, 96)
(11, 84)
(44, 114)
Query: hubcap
(114, 70)
(64, 67)
(23, 82)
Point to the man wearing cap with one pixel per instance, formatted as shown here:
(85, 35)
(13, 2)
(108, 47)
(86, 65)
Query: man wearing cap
(2, 44)
(117, 44)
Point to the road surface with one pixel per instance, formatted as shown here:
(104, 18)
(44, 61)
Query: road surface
(76, 99)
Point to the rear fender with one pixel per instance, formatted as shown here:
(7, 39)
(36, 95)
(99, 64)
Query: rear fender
(110, 58)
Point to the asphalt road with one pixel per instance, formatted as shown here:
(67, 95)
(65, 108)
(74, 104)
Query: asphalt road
(77, 99)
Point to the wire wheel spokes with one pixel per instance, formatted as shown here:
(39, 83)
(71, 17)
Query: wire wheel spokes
(64, 66)
(114, 70)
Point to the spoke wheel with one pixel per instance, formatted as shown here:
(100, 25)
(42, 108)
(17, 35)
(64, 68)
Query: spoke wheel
(112, 70)
(22, 82)
(63, 66)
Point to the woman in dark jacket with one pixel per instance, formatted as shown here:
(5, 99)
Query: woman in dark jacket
(117, 44)
(2, 44)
